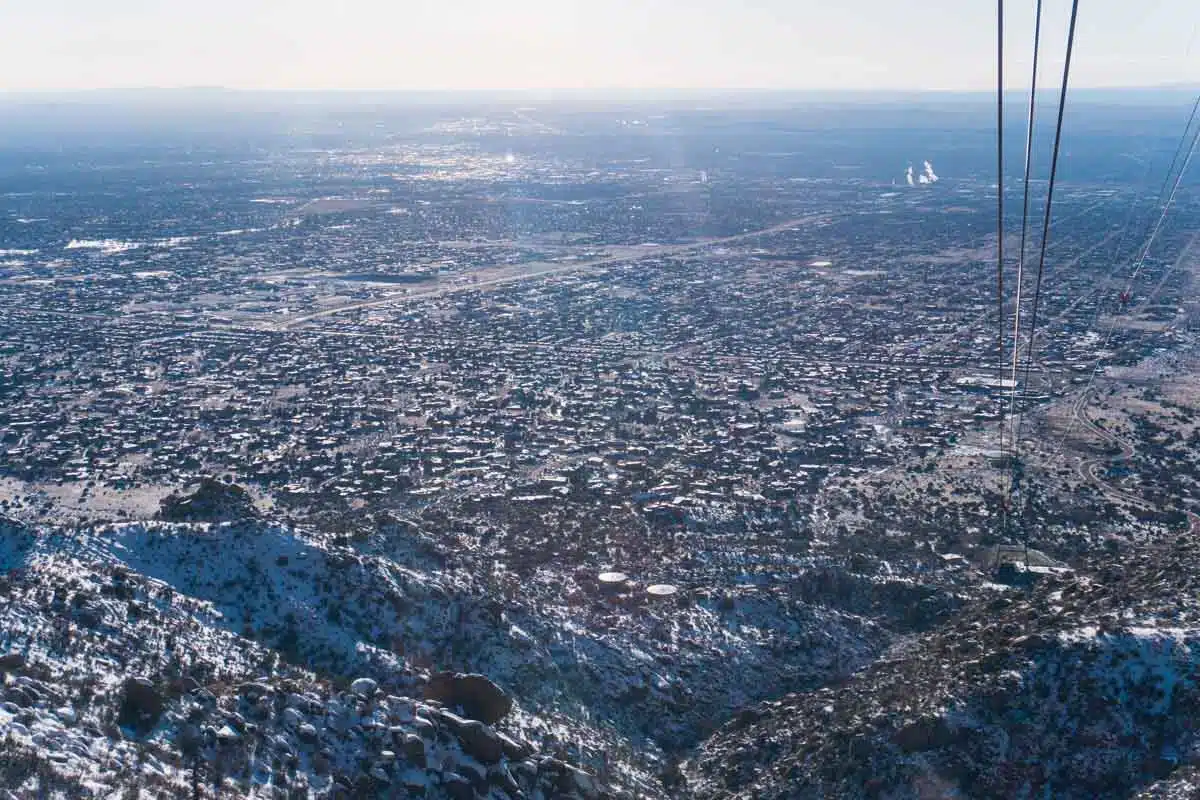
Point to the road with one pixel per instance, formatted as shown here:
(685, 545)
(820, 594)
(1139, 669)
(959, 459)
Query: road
(550, 269)
(1184, 254)
(1087, 467)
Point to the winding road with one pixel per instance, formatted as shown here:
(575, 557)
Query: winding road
(1087, 467)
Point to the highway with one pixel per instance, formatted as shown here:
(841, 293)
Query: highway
(471, 283)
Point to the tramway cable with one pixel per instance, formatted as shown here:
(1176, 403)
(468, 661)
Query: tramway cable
(1191, 150)
(1000, 226)
(1162, 192)
(1037, 291)
(1016, 337)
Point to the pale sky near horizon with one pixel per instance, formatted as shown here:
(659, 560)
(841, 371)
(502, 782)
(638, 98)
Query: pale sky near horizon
(500, 44)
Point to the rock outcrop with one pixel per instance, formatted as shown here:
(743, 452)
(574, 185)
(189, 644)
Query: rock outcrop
(210, 500)
(475, 695)
(1081, 686)
(141, 704)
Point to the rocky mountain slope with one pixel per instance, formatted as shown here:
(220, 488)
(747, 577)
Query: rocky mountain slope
(117, 677)
(1083, 686)
(255, 656)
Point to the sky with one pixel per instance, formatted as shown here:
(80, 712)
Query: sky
(540, 44)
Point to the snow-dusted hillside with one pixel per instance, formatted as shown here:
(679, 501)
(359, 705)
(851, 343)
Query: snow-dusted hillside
(1084, 687)
(124, 666)
(257, 657)
(198, 610)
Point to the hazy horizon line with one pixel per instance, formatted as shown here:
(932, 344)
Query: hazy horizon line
(1179, 86)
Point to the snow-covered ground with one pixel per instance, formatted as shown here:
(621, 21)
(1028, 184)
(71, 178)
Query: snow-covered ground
(1084, 685)
(181, 606)
(199, 609)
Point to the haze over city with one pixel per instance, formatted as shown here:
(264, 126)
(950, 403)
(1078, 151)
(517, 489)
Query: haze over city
(474, 44)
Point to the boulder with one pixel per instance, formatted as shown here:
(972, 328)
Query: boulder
(525, 772)
(457, 787)
(364, 686)
(571, 780)
(141, 704)
(473, 771)
(306, 733)
(500, 777)
(252, 690)
(475, 694)
(1032, 643)
(10, 662)
(40, 690)
(415, 782)
(926, 733)
(480, 741)
(424, 728)
(513, 748)
(21, 696)
(88, 614)
(184, 685)
(189, 739)
(413, 747)
(304, 704)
